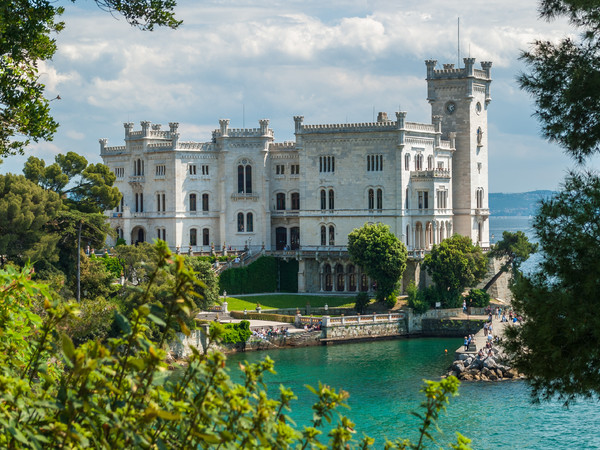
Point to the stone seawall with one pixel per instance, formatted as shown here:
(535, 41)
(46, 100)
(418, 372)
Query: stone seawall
(365, 331)
(450, 327)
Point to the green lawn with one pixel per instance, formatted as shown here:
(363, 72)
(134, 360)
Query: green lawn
(286, 301)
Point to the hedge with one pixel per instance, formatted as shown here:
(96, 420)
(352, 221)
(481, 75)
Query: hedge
(263, 316)
(260, 276)
(288, 275)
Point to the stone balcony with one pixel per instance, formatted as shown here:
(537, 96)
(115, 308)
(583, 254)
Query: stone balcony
(435, 173)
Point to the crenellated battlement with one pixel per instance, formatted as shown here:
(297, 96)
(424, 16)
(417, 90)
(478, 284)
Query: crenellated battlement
(364, 126)
(449, 71)
(202, 146)
(282, 146)
(152, 131)
(243, 133)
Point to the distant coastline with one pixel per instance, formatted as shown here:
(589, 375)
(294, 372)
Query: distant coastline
(517, 204)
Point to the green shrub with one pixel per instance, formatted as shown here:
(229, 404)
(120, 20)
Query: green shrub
(233, 333)
(362, 301)
(94, 321)
(416, 299)
(253, 315)
(390, 300)
(478, 298)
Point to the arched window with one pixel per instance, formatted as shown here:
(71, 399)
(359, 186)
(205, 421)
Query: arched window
(295, 238)
(240, 222)
(193, 236)
(419, 162)
(379, 199)
(192, 202)
(205, 202)
(364, 283)
(407, 235)
(205, 236)
(430, 162)
(479, 232)
(244, 178)
(280, 203)
(250, 223)
(323, 235)
(295, 201)
(327, 276)
(139, 202)
(138, 167)
(479, 197)
(119, 233)
(323, 200)
(340, 282)
(407, 162)
(331, 199)
(351, 278)
(371, 199)
(331, 235)
(406, 203)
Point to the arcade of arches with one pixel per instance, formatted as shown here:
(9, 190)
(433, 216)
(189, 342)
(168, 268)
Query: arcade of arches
(343, 277)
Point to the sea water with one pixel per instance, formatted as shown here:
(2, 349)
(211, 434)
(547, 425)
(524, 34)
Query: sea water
(383, 379)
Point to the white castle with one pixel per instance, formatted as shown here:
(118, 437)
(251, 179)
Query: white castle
(300, 200)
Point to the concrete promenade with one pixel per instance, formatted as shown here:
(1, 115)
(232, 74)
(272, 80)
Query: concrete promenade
(480, 339)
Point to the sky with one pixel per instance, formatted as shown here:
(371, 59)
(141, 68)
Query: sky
(332, 61)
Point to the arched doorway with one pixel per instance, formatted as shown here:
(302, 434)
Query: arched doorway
(138, 234)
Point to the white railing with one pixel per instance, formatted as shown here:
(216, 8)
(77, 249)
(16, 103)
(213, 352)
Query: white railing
(361, 319)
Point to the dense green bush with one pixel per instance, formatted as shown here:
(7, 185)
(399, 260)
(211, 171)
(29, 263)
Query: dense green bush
(94, 320)
(259, 276)
(362, 301)
(233, 333)
(478, 298)
(416, 299)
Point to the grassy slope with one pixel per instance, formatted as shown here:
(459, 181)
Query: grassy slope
(286, 301)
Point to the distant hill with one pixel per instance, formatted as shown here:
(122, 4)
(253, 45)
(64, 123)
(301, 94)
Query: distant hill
(518, 204)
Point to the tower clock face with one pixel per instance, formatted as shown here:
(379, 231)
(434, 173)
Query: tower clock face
(450, 107)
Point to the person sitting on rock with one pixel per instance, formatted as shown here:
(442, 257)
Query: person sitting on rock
(480, 354)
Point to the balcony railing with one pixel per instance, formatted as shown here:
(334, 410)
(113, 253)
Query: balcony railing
(435, 173)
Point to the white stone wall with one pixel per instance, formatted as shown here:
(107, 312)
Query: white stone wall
(451, 141)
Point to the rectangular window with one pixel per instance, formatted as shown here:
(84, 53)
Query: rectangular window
(442, 199)
(374, 163)
(326, 164)
(423, 200)
(280, 169)
(119, 172)
(295, 169)
(161, 170)
(192, 169)
(204, 169)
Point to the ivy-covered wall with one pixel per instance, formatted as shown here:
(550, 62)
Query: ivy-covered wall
(258, 277)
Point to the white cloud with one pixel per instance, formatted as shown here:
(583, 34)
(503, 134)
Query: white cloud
(329, 61)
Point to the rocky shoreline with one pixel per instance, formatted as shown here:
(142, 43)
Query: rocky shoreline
(471, 367)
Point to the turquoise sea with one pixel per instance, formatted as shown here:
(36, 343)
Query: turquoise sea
(383, 379)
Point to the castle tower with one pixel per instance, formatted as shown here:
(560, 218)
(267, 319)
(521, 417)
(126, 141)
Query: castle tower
(461, 96)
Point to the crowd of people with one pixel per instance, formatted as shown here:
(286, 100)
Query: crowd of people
(265, 333)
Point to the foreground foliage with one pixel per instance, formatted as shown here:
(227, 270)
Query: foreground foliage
(54, 394)
(558, 345)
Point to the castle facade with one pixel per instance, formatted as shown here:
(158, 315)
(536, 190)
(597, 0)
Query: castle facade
(300, 199)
